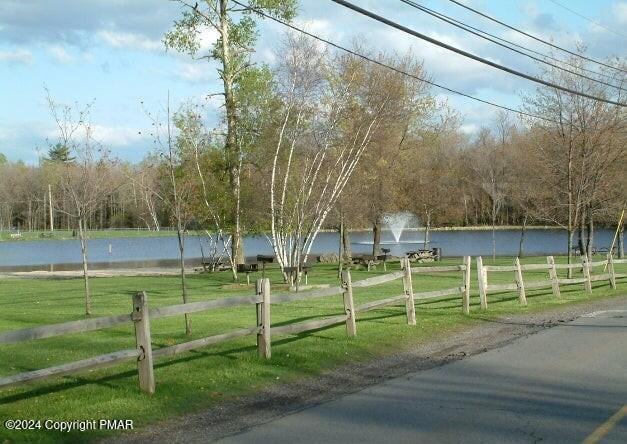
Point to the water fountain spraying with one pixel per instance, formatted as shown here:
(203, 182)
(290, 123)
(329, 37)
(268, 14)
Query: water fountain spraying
(397, 222)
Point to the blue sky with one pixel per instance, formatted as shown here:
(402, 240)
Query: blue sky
(110, 51)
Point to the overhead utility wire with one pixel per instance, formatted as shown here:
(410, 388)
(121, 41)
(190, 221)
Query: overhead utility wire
(397, 70)
(469, 55)
(493, 39)
(536, 38)
(589, 19)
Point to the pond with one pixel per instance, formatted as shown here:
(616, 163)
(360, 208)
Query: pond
(163, 251)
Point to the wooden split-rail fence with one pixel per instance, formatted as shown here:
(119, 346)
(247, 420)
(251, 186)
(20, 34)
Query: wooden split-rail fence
(554, 280)
(142, 315)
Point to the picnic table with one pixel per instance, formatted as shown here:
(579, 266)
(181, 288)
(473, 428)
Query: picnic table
(294, 273)
(370, 261)
(247, 268)
(577, 252)
(421, 255)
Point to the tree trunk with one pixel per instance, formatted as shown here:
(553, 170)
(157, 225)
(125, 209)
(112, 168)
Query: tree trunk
(493, 234)
(346, 246)
(340, 248)
(83, 240)
(521, 244)
(181, 241)
(590, 241)
(571, 236)
(231, 147)
(427, 229)
(581, 239)
(376, 233)
(621, 244)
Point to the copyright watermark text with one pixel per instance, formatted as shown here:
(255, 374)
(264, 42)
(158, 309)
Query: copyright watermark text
(81, 425)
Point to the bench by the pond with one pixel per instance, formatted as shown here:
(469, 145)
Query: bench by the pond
(577, 251)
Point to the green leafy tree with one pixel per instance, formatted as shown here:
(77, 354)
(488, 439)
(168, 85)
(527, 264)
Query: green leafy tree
(237, 34)
(3, 159)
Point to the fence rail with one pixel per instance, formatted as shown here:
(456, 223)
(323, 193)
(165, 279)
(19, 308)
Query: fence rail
(554, 280)
(141, 315)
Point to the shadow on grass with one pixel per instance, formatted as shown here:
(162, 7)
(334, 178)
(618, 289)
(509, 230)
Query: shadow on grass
(195, 355)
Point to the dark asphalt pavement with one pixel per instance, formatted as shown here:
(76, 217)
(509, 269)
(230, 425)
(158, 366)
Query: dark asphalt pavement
(558, 386)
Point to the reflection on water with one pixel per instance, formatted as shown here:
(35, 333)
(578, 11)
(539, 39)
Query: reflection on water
(163, 251)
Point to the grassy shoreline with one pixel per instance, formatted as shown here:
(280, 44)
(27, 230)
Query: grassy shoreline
(197, 380)
(5, 235)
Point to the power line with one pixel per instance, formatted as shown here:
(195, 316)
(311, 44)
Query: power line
(469, 55)
(397, 70)
(536, 38)
(492, 38)
(589, 19)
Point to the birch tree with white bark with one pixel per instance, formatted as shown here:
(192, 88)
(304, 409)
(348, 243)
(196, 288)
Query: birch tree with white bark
(331, 108)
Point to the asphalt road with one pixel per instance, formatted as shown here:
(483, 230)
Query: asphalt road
(562, 385)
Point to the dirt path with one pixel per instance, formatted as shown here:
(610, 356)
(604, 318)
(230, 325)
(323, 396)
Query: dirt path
(114, 272)
(242, 413)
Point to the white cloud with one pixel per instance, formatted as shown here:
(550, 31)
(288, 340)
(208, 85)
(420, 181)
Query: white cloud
(469, 128)
(115, 135)
(207, 37)
(320, 27)
(194, 72)
(60, 54)
(620, 12)
(128, 40)
(17, 56)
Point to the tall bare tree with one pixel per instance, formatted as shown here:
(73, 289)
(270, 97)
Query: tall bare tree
(83, 179)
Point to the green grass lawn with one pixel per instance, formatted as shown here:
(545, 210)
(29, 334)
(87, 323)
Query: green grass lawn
(92, 234)
(195, 380)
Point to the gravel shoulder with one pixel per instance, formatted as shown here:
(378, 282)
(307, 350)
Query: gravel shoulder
(237, 415)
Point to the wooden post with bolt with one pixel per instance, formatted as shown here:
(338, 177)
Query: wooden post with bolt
(610, 270)
(466, 294)
(585, 264)
(522, 297)
(410, 308)
(264, 341)
(481, 278)
(141, 320)
(349, 305)
(550, 260)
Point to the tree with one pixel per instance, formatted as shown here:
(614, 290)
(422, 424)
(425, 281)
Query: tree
(237, 35)
(331, 108)
(577, 149)
(85, 179)
(174, 188)
(60, 153)
(490, 165)
(3, 159)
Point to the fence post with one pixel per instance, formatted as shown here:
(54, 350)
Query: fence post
(264, 342)
(610, 270)
(553, 276)
(410, 308)
(522, 297)
(141, 320)
(466, 294)
(482, 278)
(586, 273)
(349, 306)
